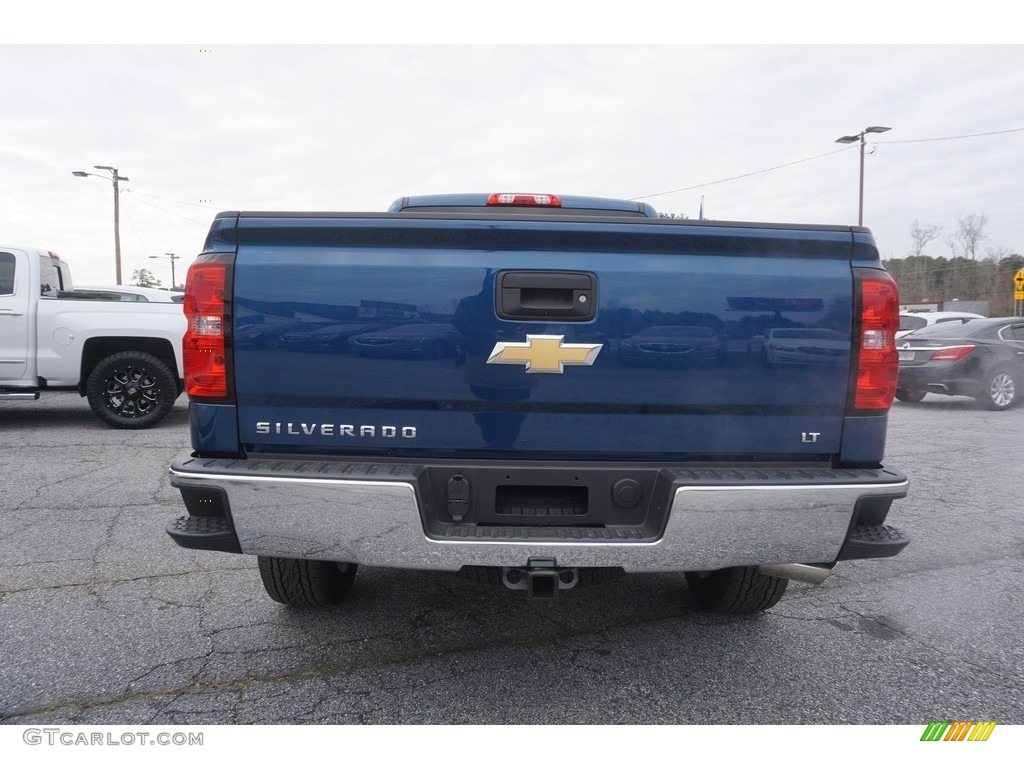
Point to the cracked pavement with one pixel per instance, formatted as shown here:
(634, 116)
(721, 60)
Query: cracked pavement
(105, 620)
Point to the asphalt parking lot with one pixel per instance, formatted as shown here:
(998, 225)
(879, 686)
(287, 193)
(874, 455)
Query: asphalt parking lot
(105, 620)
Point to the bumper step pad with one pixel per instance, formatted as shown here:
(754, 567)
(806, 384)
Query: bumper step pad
(201, 532)
(870, 541)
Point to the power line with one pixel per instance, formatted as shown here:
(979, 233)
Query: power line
(171, 200)
(818, 157)
(128, 216)
(951, 138)
(172, 213)
(744, 175)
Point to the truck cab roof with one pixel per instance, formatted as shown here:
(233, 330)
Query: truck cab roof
(518, 202)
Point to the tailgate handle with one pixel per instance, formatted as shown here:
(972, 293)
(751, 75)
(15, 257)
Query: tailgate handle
(547, 295)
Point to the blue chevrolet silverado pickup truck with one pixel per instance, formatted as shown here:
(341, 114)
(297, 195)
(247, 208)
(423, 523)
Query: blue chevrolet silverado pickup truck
(538, 391)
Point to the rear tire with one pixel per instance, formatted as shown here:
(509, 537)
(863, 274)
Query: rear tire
(1000, 391)
(306, 583)
(738, 590)
(910, 395)
(131, 390)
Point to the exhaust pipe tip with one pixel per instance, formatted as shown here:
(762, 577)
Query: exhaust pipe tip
(809, 574)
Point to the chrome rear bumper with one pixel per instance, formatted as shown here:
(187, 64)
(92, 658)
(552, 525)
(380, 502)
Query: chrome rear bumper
(372, 514)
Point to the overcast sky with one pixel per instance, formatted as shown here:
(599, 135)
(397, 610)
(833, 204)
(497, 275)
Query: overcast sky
(202, 128)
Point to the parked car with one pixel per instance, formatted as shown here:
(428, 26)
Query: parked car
(259, 332)
(673, 345)
(408, 341)
(316, 337)
(915, 321)
(983, 359)
(800, 346)
(126, 293)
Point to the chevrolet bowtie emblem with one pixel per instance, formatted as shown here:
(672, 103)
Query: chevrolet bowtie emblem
(544, 354)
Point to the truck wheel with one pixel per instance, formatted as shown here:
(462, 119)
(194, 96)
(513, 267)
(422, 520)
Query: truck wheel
(736, 590)
(306, 583)
(910, 395)
(131, 390)
(1000, 390)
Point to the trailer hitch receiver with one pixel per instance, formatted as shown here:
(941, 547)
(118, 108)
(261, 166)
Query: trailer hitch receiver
(541, 578)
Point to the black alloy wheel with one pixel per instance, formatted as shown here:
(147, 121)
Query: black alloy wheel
(131, 390)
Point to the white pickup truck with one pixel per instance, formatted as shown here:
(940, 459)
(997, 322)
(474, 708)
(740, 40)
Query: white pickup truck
(125, 357)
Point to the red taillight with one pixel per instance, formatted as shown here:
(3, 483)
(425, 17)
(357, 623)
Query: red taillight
(952, 354)
(518, 198)
(206, 372)
(877, 361)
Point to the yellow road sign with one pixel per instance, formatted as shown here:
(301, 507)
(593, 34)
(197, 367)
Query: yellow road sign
(1018, 282)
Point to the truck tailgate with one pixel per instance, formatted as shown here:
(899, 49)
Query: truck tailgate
(382, 335)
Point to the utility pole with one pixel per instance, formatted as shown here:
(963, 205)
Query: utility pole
(172, 259)
(114, 177)
(851, 140)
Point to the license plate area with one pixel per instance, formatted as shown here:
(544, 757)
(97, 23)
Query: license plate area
(540, 502)
(539, 505)
(515, 495)
(906, 356)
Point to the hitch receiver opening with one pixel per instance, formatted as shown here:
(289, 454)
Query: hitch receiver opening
(541, 578)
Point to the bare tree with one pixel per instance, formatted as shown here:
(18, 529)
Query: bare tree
(921, 235)
(998, 253)
(969, 235)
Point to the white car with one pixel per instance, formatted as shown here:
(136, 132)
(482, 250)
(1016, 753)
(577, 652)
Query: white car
(806, 346)
(133, 293)
(912, 321)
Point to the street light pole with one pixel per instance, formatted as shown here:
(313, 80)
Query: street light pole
(114, 177)
(172, 258)
(850, 140)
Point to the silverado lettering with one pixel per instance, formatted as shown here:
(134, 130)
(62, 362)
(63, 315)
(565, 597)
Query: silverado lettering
(330, 430)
